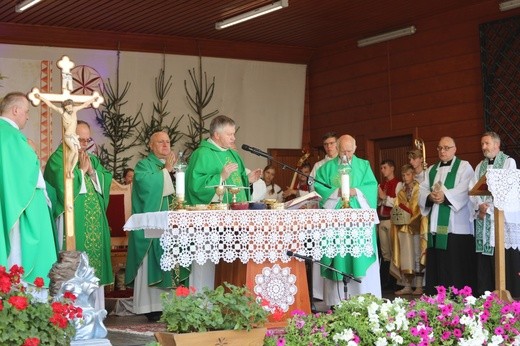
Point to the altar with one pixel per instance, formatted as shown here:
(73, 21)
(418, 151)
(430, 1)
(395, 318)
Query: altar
(251, 245)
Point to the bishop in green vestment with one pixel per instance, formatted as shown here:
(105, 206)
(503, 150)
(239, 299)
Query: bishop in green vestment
(91, 183)
(363, 194)
(26, 224)
(152, 191)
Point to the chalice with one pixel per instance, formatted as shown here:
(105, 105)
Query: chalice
(234, 190)
(220, 190)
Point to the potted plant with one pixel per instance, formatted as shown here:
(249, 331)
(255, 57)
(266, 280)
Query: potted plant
(228, 315)
(452, 317)
(26, 320)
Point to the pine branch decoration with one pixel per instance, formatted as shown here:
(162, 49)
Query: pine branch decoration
(118, 127)
(159, 115)
(203, 93)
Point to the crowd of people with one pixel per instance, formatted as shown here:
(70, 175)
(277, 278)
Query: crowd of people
(430, 231)
(443, 235)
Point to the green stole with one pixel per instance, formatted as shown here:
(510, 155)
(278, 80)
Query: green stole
(443, 219)
(483, 228)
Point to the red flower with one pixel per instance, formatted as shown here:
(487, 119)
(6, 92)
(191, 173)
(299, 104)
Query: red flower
(16, 273)
(1, 305)
(58, 308)
(59, 320)
(18, 302)
(31, 342)
(5, 284)
(277, 314)
(69, 295)
(38, 282)
(182, 291)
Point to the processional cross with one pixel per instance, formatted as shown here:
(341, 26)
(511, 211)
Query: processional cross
(69, 123)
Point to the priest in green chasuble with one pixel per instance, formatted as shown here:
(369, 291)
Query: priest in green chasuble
(25, 219)
(91, 195)
(215, 162)
(363, 194)
(152, 191)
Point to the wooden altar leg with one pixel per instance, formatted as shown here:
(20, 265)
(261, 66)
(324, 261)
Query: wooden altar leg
(500, 261)
(240, 274)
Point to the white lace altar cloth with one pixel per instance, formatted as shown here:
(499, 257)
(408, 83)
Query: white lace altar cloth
(260, 235)
(504, 185)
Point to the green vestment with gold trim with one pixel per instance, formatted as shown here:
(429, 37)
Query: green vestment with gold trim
(90, 219)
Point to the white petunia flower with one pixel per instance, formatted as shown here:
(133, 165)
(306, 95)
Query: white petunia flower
(381, 342)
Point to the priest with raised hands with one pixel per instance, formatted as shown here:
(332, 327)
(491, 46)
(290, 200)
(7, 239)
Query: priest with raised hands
(25, 221)
(152, 191)
(91, 190)
(215, 162)
(363, 194)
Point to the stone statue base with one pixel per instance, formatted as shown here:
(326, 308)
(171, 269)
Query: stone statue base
(72, 273)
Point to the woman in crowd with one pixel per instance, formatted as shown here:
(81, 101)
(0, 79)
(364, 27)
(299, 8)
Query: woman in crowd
(273, 191)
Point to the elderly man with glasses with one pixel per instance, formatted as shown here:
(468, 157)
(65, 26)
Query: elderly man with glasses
(91, 194)
(444, 199)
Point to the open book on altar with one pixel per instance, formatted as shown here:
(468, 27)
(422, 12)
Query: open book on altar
(308, 201)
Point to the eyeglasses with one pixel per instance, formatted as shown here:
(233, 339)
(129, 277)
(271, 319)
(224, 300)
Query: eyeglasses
(85, 140)
(445, 148)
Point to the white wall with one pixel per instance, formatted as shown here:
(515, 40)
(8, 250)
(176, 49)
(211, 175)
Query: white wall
(265, 99)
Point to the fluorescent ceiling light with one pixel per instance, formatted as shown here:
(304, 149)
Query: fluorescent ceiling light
(278, 5)
(25, 4)
(509, 5)
(387, 36)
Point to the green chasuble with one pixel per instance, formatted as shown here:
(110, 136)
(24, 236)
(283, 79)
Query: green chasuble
(22, 201)
(204, 170)
(362, 178)
(147, 196)
(90, 218)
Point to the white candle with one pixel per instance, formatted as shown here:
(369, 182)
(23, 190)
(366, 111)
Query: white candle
(345, 185)
(179, 178)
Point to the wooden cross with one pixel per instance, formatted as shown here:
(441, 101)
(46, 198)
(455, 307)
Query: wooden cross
(66, 65)
(481, 189)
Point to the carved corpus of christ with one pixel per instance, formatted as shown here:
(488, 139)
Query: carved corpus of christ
(70, 105)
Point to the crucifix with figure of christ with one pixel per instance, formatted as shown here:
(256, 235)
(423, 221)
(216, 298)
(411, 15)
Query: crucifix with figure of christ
(70, 105)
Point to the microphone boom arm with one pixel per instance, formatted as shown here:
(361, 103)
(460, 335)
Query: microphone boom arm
(344, 275)
(259, 152)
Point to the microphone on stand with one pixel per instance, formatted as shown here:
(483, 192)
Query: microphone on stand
(255, 151)
(292, 254)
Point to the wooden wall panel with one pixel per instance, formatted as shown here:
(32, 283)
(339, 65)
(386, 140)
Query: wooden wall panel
(426, 85)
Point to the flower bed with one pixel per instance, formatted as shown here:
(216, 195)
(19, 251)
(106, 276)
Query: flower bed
(452, 317)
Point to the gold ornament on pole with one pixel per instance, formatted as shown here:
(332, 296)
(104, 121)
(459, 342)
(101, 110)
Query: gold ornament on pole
(419, 144)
